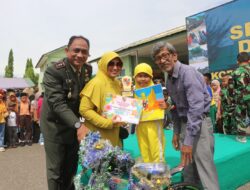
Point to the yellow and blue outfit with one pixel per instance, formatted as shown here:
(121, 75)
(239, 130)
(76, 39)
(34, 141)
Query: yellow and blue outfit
(93, 99)
(150, 134)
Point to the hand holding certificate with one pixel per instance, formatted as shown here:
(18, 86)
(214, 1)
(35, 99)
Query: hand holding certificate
(122, 109)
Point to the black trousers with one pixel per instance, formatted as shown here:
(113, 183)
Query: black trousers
(25, 128)
(61, 164)
(12, 135)
(36, 132)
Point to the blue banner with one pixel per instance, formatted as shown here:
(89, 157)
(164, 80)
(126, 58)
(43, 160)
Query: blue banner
(227, 33)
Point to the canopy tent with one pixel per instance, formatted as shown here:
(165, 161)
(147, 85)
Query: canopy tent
(7, 83)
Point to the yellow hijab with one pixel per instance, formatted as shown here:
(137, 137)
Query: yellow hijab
(97, 88)
(143, 68)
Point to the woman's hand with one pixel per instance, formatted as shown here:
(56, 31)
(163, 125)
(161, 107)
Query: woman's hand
(116, 119)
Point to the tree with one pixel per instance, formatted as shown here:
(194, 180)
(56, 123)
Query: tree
(29, 72)
(9, 69)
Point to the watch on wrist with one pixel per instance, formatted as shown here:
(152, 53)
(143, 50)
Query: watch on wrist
(77, 125)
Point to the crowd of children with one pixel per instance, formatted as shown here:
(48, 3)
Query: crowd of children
(19, 118)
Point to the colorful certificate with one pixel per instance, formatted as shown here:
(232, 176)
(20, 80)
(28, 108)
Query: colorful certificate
(128, 109)
(151, 96)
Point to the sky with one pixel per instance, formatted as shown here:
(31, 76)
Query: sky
(34, 27)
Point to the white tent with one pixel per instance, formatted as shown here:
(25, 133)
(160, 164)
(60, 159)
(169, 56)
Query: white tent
(12, 83)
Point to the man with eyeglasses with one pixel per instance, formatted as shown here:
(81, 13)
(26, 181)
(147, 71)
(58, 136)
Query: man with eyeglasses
(193, 130)
(60, 118)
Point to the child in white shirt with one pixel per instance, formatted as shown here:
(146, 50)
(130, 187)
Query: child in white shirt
(12, 125)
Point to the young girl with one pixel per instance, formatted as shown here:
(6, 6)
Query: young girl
(216, 114)
(150, 134)
(12, 125)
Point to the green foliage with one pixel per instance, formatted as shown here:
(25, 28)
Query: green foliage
(9, 69)
(29, 72)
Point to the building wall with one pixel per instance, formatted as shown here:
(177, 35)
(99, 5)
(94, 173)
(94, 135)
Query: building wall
(133, 55)
(49, 58)
(128, 63)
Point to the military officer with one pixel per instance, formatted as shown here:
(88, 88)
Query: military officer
(60, 118)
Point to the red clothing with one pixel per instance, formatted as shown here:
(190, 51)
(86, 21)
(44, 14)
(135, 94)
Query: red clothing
(39, 107)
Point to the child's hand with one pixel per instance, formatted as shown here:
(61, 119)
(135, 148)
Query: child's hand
(163, 105)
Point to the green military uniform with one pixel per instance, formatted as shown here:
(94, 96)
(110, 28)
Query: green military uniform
(228, 107)
(241, 87)
(60, 112)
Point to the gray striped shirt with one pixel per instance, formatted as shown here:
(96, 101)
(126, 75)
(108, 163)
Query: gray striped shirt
(189, 94)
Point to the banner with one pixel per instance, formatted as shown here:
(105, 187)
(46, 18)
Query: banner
(221, 33)
(197, 42)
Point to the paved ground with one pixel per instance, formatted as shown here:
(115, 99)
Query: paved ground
(24, 168)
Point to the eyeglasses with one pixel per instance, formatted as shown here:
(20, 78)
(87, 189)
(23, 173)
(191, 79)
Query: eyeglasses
(114, 63)
(165, 56)
(78, 50)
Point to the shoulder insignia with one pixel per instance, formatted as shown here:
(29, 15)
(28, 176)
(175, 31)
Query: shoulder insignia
(60, 65)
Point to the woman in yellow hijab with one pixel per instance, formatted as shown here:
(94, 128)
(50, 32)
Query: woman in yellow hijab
(93, 97)
(150, 134)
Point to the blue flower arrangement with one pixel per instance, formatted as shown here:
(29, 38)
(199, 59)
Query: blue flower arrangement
(107, 166)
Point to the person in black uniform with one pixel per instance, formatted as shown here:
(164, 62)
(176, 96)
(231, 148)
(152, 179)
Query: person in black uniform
(60, 118)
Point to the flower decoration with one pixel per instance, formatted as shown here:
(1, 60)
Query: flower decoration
(103, 161)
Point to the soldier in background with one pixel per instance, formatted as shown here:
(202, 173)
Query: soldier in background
(241, 93)
(227, 107)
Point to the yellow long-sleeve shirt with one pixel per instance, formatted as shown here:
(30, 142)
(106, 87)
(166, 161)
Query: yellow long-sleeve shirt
(3, 112)
(96, 122)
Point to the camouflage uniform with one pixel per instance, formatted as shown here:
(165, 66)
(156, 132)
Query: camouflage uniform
(228, 107)
(241, 80)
